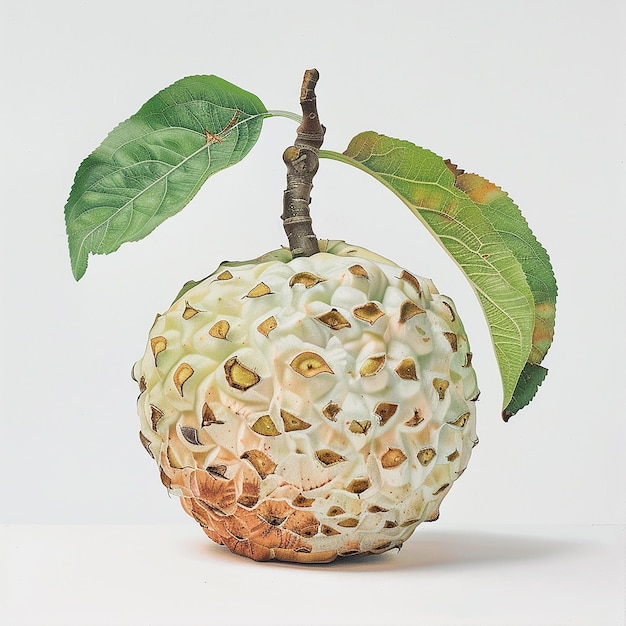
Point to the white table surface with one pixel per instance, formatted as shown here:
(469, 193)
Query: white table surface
(445, 575)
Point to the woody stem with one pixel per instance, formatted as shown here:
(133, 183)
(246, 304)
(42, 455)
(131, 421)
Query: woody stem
(302, 161)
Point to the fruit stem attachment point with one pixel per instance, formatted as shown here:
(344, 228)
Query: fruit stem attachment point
(302, 161)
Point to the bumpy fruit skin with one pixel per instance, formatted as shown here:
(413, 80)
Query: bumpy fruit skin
(309, 408)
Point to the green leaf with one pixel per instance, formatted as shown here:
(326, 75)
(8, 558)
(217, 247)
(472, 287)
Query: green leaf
(152, 165)
(507, 219)
(424, 182)
(529, 381)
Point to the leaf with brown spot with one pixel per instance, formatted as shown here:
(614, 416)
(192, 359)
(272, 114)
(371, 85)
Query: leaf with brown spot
(328, 531)
(145, 442)
(515, 232)
(302, 501)
(348, 522)
(460, 421)
(477, 227)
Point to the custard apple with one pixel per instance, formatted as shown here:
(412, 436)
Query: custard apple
(305, 408)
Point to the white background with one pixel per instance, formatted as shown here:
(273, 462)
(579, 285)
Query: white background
(528, 94)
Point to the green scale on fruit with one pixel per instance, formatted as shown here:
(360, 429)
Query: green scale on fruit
(318, 401)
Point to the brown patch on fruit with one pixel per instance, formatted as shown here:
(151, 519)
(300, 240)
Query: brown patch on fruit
(390, 524)
(450, 310)
(407, 369)
(302, 501)
(217, 471)
(208, 417)
(259, 291)
(145, 442)
(468, 360)
(157, 344)
(155, 415)
(349, 522)
(441, 489)
(267, 326)
(219, 494)
(358, 485)
(409, 278)
(189, 311)
(453, 456)
(225, 275)
(360, 427)
(238, 376)
(333, 319)
(392, 458)
(249, 496)
(358, 270)
(368, 312)
(377, 509)
(292, 422)
(329, 457)
(330, 411)
(385, 411)
(303, 523)
(453, 339)
(426, 455)
(328, 531)
(191, 435)
(220, 329)
(142, 384)
(274, 512)
(309, 364)
(408, 310)
(181, 376)
(372, 365)
(461, 420)
(265, 426)
(305, 278)
(262, 463)
(441, 386)
(334, 511)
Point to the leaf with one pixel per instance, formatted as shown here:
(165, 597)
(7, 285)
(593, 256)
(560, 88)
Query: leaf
(423, 181)
(151, 165)
(507, 219)
(529, 381)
